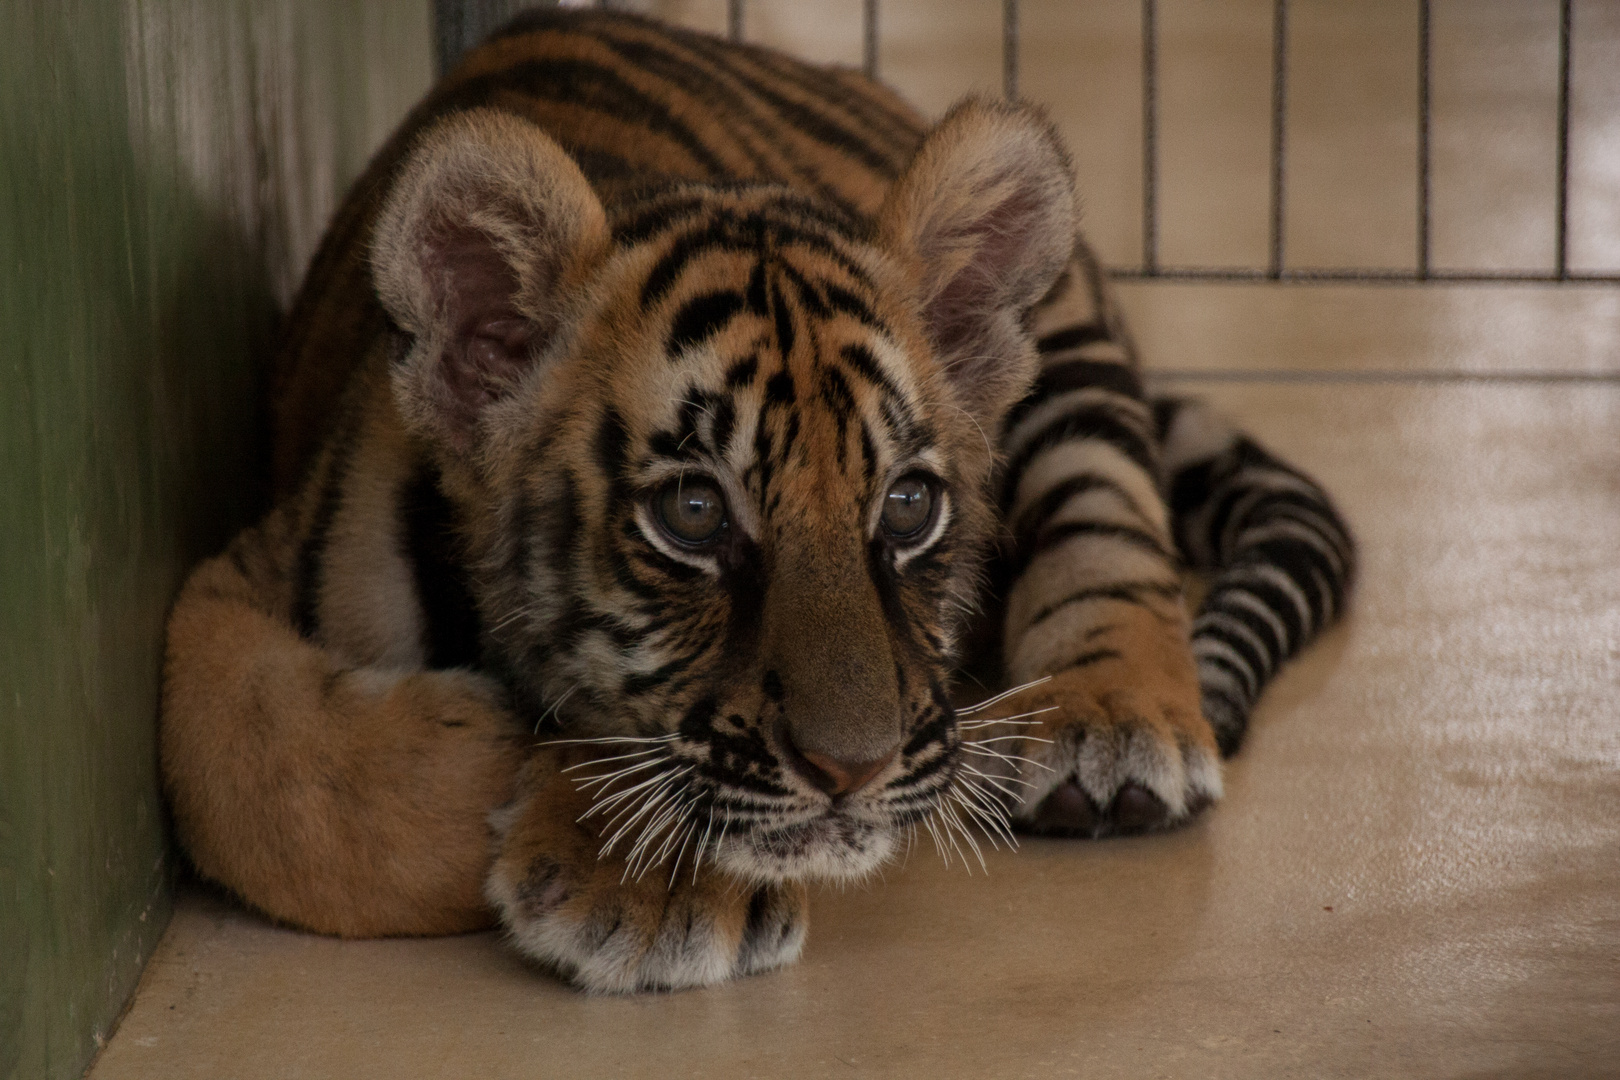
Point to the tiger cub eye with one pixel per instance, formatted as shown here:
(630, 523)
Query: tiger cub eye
(908, 506)
(693, 511)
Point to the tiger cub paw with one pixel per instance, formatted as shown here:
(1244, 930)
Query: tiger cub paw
(1107, 761)
(609, 931)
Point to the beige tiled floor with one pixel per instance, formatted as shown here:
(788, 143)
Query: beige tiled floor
(1415, 872)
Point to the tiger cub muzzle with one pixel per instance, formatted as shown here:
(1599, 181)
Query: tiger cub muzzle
(814, 727)
(853, 737)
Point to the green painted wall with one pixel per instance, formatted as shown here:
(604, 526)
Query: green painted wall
(165, 168)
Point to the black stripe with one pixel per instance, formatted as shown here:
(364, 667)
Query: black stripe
(706, 85)
(1310, 515)
(868, 453)
(311, 572)
(1130, 592)
(640, 221)
(1258, 664)
(724, 91)
(699, 319)
(844, 302)
(755, 232)
(585, 84)
(1070, 375)
(759, 301)
(1072, 337)
(636, 685)
(1094, 657)
(1270, 596)
(785, 337)
(450, 625)
(1296, 559)
(612, 444)
(1039, 512)
(603, 168)
(896, 409)
(1083, 423)
(836, 395)
(1260, 627)
(799, 116)
(779, 389)
(809, 293)
(723, 423)
(1245, 678)
(741, 374)
(886, 129)
(1068, 530)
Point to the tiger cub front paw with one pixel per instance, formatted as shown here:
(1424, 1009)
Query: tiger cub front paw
(1099, 759)
(609, 931)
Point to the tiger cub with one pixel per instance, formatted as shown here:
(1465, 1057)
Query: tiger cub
(661, 424)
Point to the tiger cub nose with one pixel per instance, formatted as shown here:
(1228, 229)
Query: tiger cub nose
(839, 777)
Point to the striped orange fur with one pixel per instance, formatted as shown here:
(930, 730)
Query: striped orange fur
(661, 426)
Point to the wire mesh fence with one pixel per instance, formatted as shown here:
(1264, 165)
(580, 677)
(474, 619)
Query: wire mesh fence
(462, 22)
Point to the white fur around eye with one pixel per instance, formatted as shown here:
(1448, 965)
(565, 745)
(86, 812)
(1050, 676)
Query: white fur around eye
(910, 549)
(658, 538)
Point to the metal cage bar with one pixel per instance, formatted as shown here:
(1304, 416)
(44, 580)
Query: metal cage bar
(1425, 21)
(1565, 21)
(1279, 135)
(1009, 48)
(1150, 137)
(869, 38)
(1277, 268)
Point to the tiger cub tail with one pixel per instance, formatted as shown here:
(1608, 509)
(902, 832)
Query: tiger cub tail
(1278, 556)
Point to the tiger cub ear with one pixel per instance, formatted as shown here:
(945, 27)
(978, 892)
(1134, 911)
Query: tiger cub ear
(985, 213)
(489, 226)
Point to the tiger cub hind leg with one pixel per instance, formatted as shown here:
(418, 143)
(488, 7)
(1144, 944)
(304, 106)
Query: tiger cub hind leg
(344, 799)
(619, 922)
(1115, 740)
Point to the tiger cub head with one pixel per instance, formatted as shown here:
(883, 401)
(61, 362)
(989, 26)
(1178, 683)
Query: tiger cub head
(723, 458)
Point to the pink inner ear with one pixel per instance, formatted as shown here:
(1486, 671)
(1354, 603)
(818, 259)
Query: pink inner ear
(959, 311)
(475, 289)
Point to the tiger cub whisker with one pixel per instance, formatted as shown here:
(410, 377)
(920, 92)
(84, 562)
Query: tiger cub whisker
(993, 827)
(653, 788)
(553, 710)
(974, 724)
(611, 739)
(954, 827)
(1004, 695)
(635, 809)
(676, 869)
(986, 752)
(680, 829)
(630, 755)
(669, 815)
(697, 856)
(997, 781)
(585, 783)
(985, 806)
(604, 801)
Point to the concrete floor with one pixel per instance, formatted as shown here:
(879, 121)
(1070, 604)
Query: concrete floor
(1415, 871)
